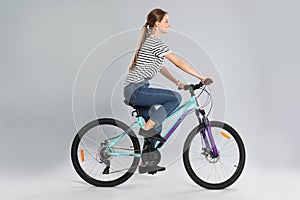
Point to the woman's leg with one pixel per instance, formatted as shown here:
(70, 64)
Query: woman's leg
(147, 97)
(146, 112)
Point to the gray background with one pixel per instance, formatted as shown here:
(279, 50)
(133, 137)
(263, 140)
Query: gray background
(249, 47)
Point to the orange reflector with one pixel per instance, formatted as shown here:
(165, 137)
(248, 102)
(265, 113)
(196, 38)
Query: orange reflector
(225, 135)
(82, 155)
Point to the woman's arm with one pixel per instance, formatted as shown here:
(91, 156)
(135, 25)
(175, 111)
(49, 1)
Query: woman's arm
(164, 71)
(183, 65)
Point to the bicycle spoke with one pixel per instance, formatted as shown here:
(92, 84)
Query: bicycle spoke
(225, 167)
(228, 147)
(217, 174)
(202, 165)
(99, 171)
(89, 165)
(209, 173)
(229, 152)
(90, 152)
(89, 159)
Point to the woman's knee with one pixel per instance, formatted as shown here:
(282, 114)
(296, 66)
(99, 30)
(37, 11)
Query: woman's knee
(177, 97)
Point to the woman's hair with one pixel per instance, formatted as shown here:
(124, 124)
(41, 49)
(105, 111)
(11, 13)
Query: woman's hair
(155, 15)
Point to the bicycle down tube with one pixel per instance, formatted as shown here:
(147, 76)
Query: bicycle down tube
(188, 110)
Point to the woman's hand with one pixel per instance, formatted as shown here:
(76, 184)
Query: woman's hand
(204, 78)
(180, 85)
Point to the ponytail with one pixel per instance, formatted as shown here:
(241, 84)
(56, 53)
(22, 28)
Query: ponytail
(142, 40)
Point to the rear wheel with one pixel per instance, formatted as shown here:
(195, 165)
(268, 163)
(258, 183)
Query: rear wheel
(214, 172)
(90, 159)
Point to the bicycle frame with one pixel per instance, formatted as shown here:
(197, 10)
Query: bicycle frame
(187, 108)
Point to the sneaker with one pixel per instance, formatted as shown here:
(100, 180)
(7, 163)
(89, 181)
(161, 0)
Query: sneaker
(151, 133)
(150, 169)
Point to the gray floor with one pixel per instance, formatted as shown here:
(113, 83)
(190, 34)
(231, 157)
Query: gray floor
(64, 183)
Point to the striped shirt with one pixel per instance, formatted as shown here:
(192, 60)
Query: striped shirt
(149, 60)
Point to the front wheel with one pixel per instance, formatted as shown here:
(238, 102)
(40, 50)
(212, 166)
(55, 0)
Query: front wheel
(214, 172)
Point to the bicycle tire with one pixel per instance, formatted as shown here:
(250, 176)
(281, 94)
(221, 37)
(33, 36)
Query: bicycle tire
(191, 170)
(76, 160)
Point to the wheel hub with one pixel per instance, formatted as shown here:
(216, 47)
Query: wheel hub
(210, 157)
(104, 156)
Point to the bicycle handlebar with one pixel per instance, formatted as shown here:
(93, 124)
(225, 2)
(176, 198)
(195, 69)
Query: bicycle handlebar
(193, 87)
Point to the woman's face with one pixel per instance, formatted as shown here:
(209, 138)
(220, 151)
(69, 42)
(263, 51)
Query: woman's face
(164, 25)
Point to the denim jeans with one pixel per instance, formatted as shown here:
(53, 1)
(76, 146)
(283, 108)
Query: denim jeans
(146, 98)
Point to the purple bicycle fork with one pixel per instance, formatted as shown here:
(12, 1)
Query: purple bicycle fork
(207, 128)
(211, 139)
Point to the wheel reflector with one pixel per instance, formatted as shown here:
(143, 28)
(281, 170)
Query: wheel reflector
(82, 155)
(225, 135)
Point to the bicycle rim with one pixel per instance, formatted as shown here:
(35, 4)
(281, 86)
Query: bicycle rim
(210, 172)
(89, 157)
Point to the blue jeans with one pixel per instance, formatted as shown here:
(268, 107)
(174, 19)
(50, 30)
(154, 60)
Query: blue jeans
(146, 98)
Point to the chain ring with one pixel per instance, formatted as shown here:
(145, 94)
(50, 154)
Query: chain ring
(151, 158)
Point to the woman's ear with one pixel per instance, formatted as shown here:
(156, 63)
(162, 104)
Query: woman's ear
(157, 23)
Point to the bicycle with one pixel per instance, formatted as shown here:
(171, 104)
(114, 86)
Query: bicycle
(106, 152)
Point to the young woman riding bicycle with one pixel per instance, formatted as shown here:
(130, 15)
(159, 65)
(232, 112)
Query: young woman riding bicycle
(147, 62)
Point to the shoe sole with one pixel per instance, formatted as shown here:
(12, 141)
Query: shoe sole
(153, 138)
(152, 171)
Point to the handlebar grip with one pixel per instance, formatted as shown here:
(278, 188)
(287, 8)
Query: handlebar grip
(208, 81)
(188, 87)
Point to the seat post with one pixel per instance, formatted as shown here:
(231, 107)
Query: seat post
(136, 110)
(140, 121)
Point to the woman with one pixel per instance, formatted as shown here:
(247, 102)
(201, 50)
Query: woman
(146, 64)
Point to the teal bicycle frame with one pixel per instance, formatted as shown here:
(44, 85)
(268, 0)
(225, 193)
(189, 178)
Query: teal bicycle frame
(187, 108)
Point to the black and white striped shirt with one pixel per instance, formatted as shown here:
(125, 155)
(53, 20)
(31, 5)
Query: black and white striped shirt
(149, 60)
